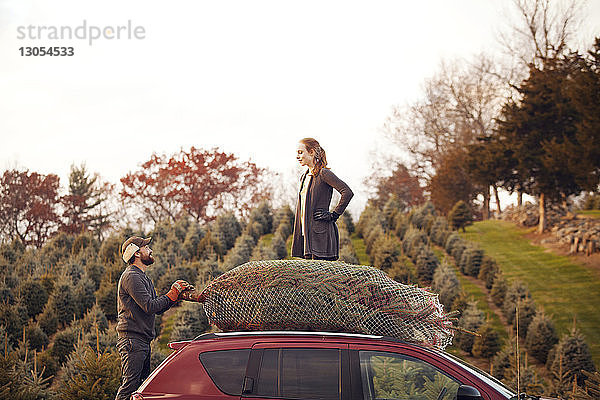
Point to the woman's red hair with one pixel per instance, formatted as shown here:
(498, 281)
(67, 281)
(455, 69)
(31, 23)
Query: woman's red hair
(312, 146)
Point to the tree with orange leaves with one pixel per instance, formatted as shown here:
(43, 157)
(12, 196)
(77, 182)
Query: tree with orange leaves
(198, 183)
(28, 203)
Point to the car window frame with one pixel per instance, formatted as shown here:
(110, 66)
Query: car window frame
(441, 363)
(210, 373)
(371, 390)
(256, 354)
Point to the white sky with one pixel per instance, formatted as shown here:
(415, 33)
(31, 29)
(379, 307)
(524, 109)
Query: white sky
(251, 77)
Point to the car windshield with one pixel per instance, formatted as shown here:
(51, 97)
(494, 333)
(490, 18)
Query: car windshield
(484, 376)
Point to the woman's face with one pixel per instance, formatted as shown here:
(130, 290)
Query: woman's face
(304, 157)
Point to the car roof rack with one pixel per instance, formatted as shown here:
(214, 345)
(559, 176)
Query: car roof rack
(216, 335)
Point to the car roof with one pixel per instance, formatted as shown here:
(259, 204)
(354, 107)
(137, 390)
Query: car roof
(353, 337)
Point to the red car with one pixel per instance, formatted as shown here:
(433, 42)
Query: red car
(314, 365)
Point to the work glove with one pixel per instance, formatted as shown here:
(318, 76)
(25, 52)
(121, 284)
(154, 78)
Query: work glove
(177, 288)
(324, 215)
(192, 295)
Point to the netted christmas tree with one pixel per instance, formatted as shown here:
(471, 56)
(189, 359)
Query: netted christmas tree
(325, 296)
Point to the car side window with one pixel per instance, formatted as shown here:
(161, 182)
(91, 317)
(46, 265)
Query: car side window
(226, 368)
(395, 376)
(300, 374)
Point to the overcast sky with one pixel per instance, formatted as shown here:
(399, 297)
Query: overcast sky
(251, 77)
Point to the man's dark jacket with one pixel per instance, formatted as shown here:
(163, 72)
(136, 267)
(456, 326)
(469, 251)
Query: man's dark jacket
(137, 303)
(322, 237)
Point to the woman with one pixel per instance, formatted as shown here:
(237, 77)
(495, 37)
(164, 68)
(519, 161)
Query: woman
(315, 232)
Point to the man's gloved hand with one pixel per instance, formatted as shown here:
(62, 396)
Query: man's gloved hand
(192, 295)
(324, 215)
(177, 288)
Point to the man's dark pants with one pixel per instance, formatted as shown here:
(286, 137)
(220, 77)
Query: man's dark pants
(135, 365)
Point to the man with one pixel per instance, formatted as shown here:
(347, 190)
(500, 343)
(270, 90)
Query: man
(137, 304)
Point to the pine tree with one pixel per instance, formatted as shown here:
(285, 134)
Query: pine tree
(541, 337)
(11, 317)
(488, 343)
(460, 216)
(470, 320)
(402, 272)
(209, 245)
(94, 317)
(226, 229)
(470, 262)
(263, 252)
(34, 296)
(48, 321)
(446, 284)
(106, 297)
(190, 322)
(450, 241)
(527, 311)
(427, 263)
(390, 210)
(498, 290)
(488, 271)
(193, 236)
(504, 361)
(240, 253)
(457, 250)
(592, 387)
(540, 133)
(401, 226)
(36, 337)
(439, 231)
(371, 238)
(284, 215)
(348, 255)
(91, 375)
(572, 355)
(385, 252)
(63, 344)
(84, 294)
(278, 243)
(516, 294)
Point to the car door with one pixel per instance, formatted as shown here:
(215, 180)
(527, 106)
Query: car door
(399, 373)
(297, 371)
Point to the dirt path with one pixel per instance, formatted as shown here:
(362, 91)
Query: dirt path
(490, 302)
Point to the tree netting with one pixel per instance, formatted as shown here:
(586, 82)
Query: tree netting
(328, 296)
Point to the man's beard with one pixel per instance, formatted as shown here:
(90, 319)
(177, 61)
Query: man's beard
(147, 260)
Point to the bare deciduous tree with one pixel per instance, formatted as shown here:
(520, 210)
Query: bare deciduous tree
(541, 30)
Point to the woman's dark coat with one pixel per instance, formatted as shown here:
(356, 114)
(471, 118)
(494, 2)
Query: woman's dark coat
(322, 237)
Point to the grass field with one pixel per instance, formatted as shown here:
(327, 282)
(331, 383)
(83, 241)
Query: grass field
(565, 290)
(476, 293)
(359, 248)
(590, 213)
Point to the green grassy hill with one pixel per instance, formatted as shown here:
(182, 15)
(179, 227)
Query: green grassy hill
(564, 289)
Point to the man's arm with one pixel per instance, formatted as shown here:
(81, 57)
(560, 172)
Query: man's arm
(135, 287)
